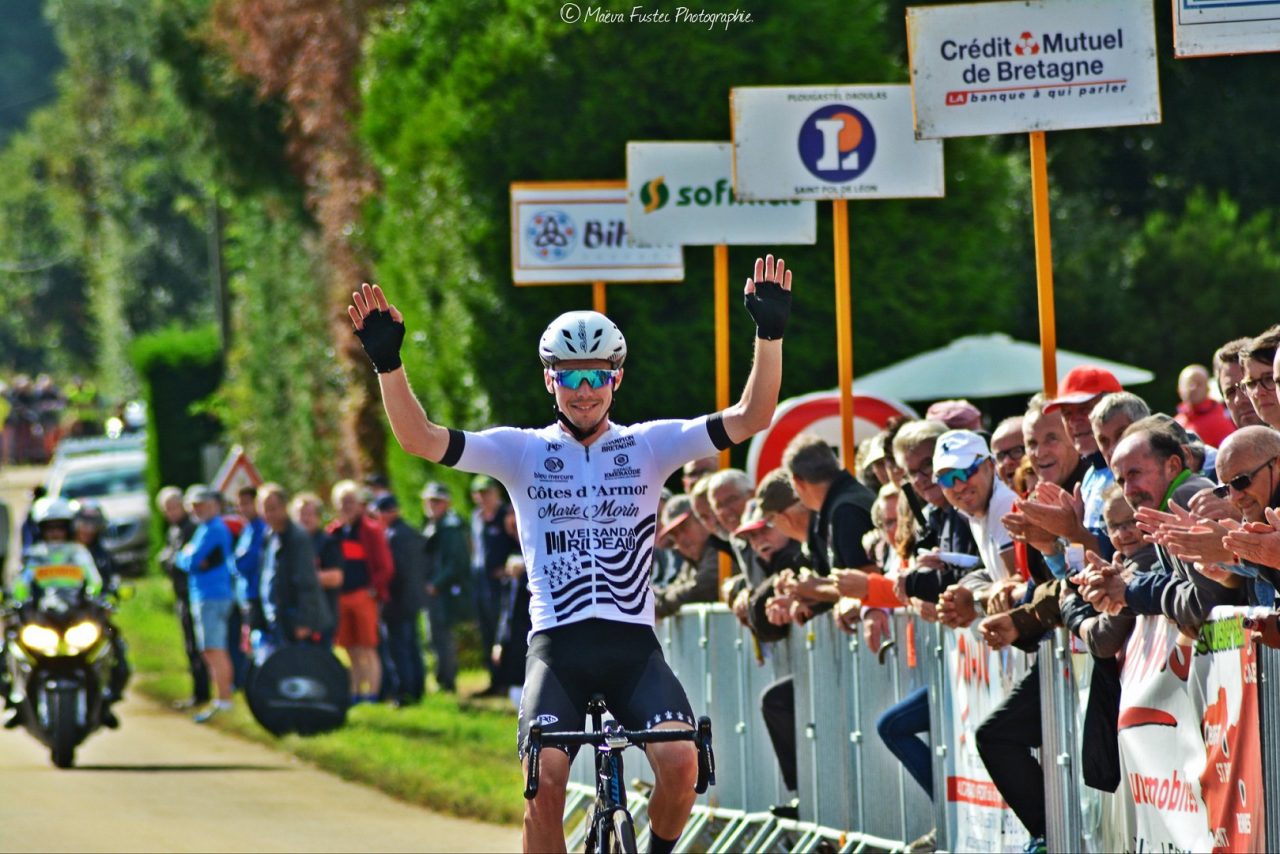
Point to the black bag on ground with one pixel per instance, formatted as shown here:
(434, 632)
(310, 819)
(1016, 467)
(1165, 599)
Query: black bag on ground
(300, 688)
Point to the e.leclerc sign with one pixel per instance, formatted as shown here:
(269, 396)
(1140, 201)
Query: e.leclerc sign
(1032, 65)
(830, 142)
(575, 232)
(1217, 27)
(682, 192)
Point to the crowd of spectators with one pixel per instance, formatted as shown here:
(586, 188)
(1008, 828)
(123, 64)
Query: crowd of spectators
(267, 571)
(1085, 511)
(37, 413)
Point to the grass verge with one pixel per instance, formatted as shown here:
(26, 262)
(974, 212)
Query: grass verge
(449, 754)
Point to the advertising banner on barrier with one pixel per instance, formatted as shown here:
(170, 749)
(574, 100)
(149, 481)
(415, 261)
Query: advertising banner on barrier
(1190, 748)
(1216, 27)
(565, 233)
(981, 678)
(682, 193)
(830, 142)
(1032, 65)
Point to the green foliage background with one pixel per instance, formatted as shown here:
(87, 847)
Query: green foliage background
(152, 187)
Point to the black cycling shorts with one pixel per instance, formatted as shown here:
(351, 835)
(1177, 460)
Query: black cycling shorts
(568, 665)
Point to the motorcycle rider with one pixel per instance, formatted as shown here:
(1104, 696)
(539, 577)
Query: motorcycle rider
(53, 519)
(90, 523)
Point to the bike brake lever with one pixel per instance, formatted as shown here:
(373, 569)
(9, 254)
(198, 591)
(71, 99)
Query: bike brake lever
(535, 751)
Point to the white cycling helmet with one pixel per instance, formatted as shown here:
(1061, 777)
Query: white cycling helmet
(582, 335)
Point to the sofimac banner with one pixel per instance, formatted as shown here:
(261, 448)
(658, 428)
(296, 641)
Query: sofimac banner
(682, 193)
(1216, 27)
(566, 232)
(1032, 65)
(1190, 746)
(830, 142)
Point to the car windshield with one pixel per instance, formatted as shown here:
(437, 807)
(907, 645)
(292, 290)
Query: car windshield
(99, 482)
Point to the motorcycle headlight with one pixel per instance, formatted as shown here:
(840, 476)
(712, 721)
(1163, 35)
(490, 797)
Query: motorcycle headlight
(41, 639)
(82, 636)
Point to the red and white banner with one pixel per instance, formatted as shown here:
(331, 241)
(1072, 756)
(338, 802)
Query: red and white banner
(980, 679)
(1190, 748)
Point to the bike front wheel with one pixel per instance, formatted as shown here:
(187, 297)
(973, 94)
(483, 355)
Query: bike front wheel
(614, 834)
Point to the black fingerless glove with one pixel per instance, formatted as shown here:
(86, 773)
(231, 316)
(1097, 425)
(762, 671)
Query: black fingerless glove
(381, 338)
(770, 306)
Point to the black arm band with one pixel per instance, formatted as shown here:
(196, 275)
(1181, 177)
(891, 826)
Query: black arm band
(453, 453)
(719, 435)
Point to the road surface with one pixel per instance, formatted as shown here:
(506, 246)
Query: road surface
(164, 783)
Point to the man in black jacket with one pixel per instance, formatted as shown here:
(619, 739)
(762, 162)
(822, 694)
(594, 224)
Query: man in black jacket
(448, 577)
(180, 529)
(293, 603)
(402, 615)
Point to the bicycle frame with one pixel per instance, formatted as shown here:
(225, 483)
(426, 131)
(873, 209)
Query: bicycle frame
(609, 741)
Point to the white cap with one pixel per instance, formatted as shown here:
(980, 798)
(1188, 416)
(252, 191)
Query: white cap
(959, 449)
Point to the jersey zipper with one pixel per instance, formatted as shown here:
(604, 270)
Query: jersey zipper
(590, 481)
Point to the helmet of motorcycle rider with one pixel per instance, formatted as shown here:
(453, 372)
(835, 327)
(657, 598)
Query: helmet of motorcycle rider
(89, 514)
(53, 517)
(582, 335)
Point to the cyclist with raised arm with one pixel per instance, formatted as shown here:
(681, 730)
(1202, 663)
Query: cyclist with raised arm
(586, 495)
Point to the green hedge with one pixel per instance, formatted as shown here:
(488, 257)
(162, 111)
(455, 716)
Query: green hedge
(179, 369)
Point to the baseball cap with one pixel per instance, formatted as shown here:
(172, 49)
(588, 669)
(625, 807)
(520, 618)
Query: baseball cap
(956, 414)
(1084, 383)
(434, 489)
(775, 492)
(752, 518)
(385, 503)
(481, 482)
(872, 452)
(959, 449)
(676, 512)
(378, 481)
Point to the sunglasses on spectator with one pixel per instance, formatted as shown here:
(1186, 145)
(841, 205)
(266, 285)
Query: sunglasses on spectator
(1264, 382)
(1241, 482)
(1011, 453)
(951, 477)
(594, 377)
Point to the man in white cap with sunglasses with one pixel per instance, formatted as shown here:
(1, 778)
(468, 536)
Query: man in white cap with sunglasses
(586, 495)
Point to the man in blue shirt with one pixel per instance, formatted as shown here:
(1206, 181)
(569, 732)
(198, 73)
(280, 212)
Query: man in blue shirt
(248, 566)
(209, 559)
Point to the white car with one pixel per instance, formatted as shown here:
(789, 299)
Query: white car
(117, 481)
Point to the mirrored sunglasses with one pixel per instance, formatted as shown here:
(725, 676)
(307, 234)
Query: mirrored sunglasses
(594, 377)
(951, 477)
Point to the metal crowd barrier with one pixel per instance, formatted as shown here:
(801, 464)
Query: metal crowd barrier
(853, 794)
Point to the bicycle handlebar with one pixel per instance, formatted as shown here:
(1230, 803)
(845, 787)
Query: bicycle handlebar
(701, 737)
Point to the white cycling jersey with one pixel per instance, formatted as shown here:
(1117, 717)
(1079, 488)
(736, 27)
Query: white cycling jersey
(587, 515)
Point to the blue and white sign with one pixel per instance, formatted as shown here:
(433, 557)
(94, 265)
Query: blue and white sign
(576, 233)
(1216, 27)
(1032, 65)
(830, 142)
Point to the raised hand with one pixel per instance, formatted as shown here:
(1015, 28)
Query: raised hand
(379, 326)
(768, 297)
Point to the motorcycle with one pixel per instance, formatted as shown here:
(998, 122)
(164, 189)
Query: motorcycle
(58, 649)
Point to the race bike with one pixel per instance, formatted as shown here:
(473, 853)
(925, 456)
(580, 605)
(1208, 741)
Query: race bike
(58, 648)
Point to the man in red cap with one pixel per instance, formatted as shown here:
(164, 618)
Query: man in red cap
(699, 576)
(1077, 518)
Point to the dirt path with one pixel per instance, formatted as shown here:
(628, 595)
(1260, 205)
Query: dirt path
(163, 783)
